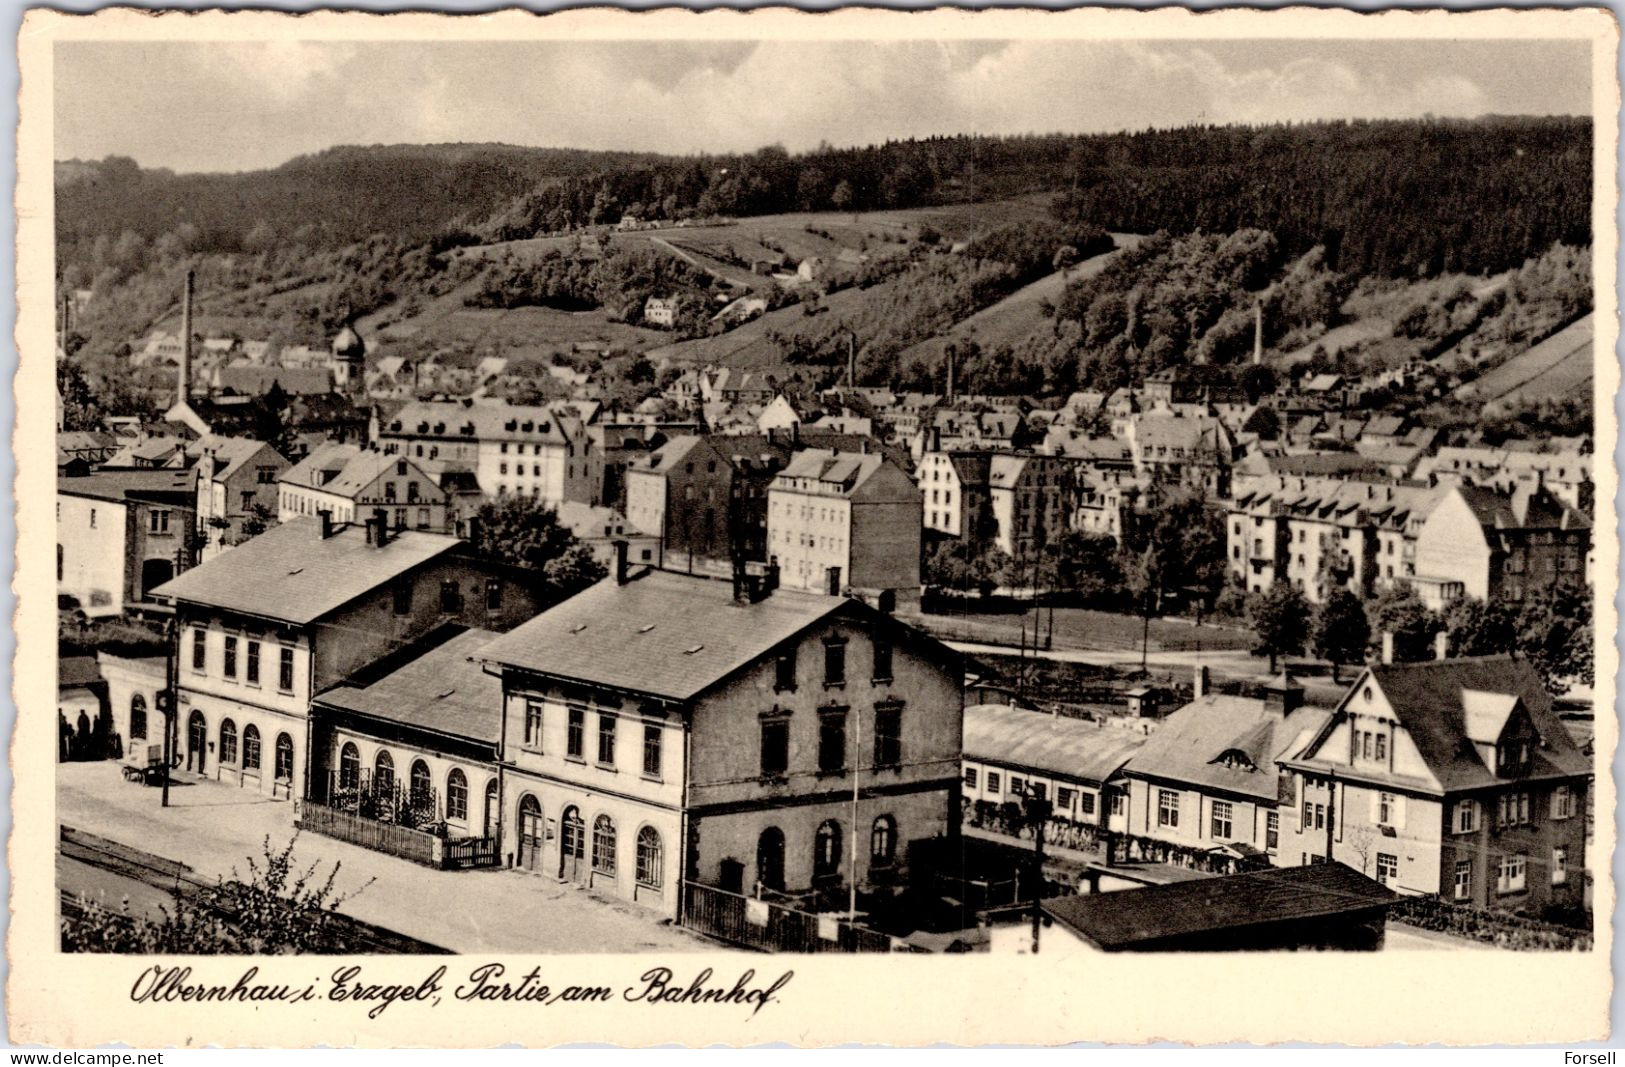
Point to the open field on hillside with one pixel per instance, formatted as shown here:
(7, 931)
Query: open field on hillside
(1020, 314)
(1557, 368)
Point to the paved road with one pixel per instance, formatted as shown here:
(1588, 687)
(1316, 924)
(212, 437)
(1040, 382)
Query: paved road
(215, 828)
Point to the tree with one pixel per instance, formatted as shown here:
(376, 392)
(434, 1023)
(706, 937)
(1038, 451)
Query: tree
(1555, 632)
(841, 199)
(279, 909)
(1342, 631)
(1400, 612)
(524, 532)
(1477, 628)
(81, 408)
(1280, 617)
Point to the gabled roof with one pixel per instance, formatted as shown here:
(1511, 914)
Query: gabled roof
(664, 634)
(1075, 748)
(322, 467)
(229, 453)
(443, 688)
(1190, 745)
(292, 574)
(1431, 700)
(455, 419)
(1143, 917)
(169, 485)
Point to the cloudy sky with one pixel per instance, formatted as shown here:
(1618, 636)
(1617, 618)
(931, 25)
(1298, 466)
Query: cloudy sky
(224, 107)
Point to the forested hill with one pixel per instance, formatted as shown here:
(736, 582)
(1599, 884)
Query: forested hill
(1394, 198)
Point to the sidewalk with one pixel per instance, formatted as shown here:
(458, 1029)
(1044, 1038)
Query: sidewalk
(214, 828)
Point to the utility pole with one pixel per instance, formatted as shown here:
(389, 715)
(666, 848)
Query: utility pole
(1038, 812)
(166, 702)
(852, 859)
(1331, 811)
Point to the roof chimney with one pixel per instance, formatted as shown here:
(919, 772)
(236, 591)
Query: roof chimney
(741, 580)
(1201, 683)
(833, 575)
(326, 516)
(1282, 696)
(1258, 332)
(381, 519)
(183, 384)
(1387, 647)
(620, 562)
(771, 581)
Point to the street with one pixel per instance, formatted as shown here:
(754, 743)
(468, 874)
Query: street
(216, 828)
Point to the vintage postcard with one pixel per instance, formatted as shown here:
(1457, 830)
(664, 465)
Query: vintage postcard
(900, 528)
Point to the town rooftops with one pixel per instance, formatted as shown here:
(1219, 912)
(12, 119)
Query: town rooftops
(1228, 743)
(844, 471)
(1146, 918)
(292, 574)
(77, 672)
(166, 485)
(228, 453)
(663, 634)
(443, 689)
(322, 467)
(1528, 507)
(1074, 748)
(475, 422)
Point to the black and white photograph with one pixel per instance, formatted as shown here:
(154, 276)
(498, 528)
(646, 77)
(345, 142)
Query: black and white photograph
(1023, 498)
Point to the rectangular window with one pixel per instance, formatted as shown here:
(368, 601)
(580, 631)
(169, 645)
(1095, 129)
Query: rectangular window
(160, 522)
(1385, 809)
(403, 596)
(230, 667)
(888, 737)
(832, 742)
(882, 659)
(1514, 872)
(970, 777)
(1272, 831)
(606, 739)
(1562, 802)
(533, 723)
(1086, 802)
(1320, 816)
(1119, 803)
(1365, 744)
(493, 594)
(835, 662)
(1039, 790)
(1464, 879)
(1221, 820)
(451, 598)
(652, 736)
(575, 738)
(284, 673)
(775, 756)
(1466, 816)
(138, 719)
(784, 671)
(1382, 746)
(1167, 808)
(1018, 786)
(1560, 866)
(1063, 797)
(252, 676)
(1387, 868)
(993, 783)
(199, 650)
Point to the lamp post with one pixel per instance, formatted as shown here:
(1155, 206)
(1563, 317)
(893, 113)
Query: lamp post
(1038, 813)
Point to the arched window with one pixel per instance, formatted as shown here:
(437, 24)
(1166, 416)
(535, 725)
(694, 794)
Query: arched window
(284, 758)
(491, 808)
(651, 860)
(228, 741)
(827, 850)
(603, 845)
(349, 766)
(138, 717)
(383, 772)
(456, 796)
(251, 747)
(883, 842)
(422, 784)
(770, 858)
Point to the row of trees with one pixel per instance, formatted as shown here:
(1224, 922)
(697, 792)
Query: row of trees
(1551, 629)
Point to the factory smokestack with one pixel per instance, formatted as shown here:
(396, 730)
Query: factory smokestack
(1258, 332)
(183, 387)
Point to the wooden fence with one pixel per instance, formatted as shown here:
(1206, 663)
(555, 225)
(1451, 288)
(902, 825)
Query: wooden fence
(414, 845)
(771, 927)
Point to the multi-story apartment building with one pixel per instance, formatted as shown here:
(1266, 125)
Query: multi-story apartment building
(299, 608)
(121, 534)
(521, 451)
(1484, 544)
(1450, 778)
(845, 520)
(664, 728)
(1205, 788)
(683, 494)
(353, 483)
(1319, 534)
(236, 478)
(1566, 470)
(1028, 495)
(954, 494)
(1194, 451)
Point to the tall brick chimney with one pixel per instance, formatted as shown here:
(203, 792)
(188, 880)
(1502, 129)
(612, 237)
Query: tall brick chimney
(183, 384)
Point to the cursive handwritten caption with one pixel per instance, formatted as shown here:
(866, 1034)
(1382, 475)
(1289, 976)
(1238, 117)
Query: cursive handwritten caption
(487, 982)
